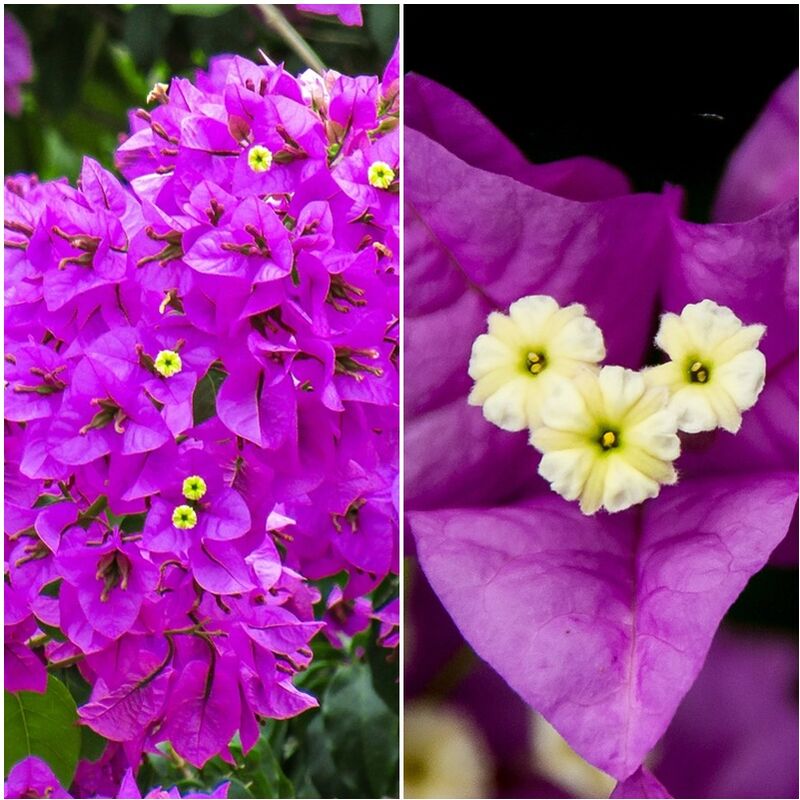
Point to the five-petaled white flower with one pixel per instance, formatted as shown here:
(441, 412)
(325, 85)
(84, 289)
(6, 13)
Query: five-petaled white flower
(607, 439)
(516, 363)
(715, 371)
(608, 436)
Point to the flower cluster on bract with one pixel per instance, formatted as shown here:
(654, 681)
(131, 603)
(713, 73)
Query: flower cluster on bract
(609, 436)
(201, 401)
(600, 623)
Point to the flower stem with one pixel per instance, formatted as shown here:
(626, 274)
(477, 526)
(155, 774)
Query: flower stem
(66, 662)
(275, 20)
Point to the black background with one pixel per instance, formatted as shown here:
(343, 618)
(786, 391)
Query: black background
(632, 85)
(627, 84)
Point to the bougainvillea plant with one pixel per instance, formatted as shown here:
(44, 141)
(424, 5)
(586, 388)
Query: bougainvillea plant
(600, 621)
(201, 411)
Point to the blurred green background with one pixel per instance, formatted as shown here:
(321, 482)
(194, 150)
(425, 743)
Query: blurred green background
(93, 63)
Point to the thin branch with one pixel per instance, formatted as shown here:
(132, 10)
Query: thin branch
(66, 662)
(278, 22)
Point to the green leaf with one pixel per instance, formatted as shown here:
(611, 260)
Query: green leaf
(363, 733)
(123, 62)
(262, 773)
(204, 400)
(58, 158)
(53, 632)
(146, 29)
(75, 683)
(114, 520)
(384, 665)
(92, 744)
(146, 777)
(386, 592)
(47, 500)
(321, 778)
(43, 725)
(133, 523)
(238, 789)
(51, 589)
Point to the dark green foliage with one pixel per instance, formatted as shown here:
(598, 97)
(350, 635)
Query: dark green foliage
(348, 747)
(204, 400)
(43, 725)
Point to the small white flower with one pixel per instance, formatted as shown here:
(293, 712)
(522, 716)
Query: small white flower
(259, 158)
(380, 175)
(516, 363)
(168, 363)
(445, 754)
(715, 371)
(607, 439)
(556, 761)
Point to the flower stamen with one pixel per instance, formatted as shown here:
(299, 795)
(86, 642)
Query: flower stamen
(109, 412)
(609, 440)
(536, 362)
(113, 569)
(698, 373)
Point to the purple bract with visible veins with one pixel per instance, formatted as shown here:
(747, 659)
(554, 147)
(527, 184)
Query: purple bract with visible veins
(196, 360)
(601, 623)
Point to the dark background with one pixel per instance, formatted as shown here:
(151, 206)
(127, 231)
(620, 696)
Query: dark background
(627, 84)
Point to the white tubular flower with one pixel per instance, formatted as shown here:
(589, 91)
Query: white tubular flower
(715, 371)
(259, 158)
(515, 364)
(556, 761)
(380, 175)
(445, 755)
(608, 440)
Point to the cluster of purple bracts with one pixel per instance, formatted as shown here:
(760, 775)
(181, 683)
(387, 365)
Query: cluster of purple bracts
(32, 777)
(201, 403)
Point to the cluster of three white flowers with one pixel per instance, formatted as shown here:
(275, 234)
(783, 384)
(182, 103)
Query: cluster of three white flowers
(609, 435)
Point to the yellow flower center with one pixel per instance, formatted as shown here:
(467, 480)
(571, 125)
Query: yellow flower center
(380, 175)
(168, 363)
(194, 487)
(184, 518)
(259, 158)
